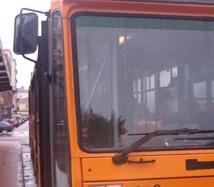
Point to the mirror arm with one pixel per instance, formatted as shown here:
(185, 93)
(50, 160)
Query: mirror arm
(46, 74)
(41, 12)
(36, 62)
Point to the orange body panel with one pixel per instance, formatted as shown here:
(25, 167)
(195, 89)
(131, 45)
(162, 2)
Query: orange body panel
(133, 7)
(165, 166)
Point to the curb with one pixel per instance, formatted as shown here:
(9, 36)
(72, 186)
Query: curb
(29, 177)
(20, 177)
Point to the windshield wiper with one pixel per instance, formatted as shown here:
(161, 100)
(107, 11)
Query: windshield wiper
(121, 158)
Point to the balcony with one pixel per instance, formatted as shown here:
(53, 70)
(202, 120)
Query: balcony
(5, 78)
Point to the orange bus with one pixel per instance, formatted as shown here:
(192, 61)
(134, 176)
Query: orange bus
(123, 92)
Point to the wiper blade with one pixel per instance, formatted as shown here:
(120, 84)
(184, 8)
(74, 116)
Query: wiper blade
(121, 158)
(196, 138)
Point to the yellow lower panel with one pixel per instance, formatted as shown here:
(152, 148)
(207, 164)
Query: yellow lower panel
(164, 167)
(185, 182)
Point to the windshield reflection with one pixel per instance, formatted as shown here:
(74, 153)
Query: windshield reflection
(139, 75)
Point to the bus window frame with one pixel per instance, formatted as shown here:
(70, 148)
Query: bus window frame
(76, 74)
(57, 86)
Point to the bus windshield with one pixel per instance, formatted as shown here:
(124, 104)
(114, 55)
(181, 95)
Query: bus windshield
(137, 75)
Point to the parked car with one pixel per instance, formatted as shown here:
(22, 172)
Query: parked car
(8, 120)
(6, 127)
(23, 120)
(16, 120)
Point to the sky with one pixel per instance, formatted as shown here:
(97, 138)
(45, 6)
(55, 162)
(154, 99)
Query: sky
(9, 10)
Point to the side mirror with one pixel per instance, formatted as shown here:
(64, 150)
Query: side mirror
(25, 34)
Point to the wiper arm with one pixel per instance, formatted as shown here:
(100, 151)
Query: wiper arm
(121, 158)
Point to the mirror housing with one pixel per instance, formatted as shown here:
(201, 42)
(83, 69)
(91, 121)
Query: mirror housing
(25, 34)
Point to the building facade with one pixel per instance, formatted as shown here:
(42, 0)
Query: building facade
(8, 81)
(10, 96)
(22, 101)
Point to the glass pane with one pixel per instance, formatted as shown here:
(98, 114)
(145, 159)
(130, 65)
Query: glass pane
(199, 90)
(212, 90)
(138, 75)
(61, 151)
